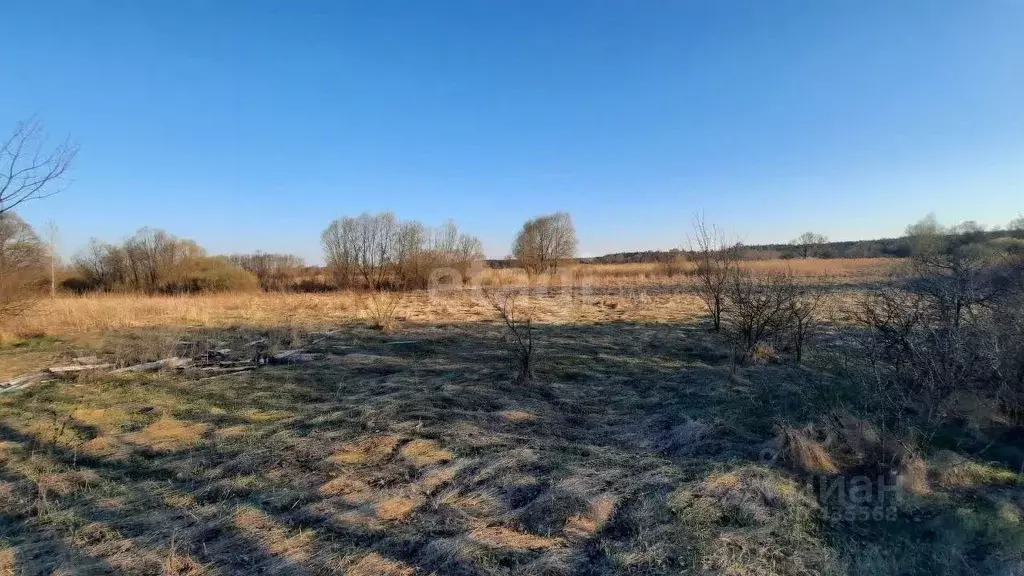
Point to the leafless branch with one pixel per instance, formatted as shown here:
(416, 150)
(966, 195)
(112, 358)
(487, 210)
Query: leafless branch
(28, 169)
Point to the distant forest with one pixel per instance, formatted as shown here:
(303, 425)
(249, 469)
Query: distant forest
(880, 248)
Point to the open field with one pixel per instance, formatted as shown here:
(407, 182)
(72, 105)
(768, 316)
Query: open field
(640, 449)
(604, 292)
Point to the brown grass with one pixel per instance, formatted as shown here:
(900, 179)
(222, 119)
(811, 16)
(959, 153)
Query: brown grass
(369, 450)
(395, 508)
(280, 541)
(374, 564)
(353, 490)
(501, 537)
(421, 453)
(806, 454)
(618, 291)
(640, 455)
(169, 434)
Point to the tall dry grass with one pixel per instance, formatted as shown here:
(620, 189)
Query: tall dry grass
(841, 270)
(634, 292)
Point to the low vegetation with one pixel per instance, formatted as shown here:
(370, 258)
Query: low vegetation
(716, 416)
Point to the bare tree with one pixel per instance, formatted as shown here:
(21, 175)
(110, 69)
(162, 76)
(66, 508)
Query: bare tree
(363, 249)
(809, 242)
(273, 271)
(967, 227)
(155, 257)
(29, 169)
(716, 261)
(1017, 224)
(380, 252)
(154, 261)
(545, 241)
(100, 265)
(52, 233)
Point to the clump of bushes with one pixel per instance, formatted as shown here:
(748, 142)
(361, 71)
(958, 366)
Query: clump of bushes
(769, 311)
(379, 252)
(22, 263)
(156, 262)
(210, 274)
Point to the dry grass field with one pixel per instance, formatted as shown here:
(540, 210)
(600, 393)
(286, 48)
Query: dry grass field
(638, 292)
(641, 449)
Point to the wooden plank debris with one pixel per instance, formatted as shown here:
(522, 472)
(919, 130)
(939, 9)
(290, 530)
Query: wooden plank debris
(22, 382)
(73, 369)
(172, 362)
(293, 357)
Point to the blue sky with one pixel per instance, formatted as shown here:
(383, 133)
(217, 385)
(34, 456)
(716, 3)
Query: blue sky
(250, 125)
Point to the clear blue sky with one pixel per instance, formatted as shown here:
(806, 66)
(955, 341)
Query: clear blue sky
(250, 125)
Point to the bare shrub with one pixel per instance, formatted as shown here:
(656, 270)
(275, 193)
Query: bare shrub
(22, 262)
(716, 261)
(948, 327)
(382, 306)
(544, 242)
(675, 266)
(803, 318)
(274, 272)
(511, 304)
(770, 312)
(154, 261)
(759, 310)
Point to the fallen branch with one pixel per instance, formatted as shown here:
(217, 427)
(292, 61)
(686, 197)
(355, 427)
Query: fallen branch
(292, 357)
(74, 368)
(230, 373)
(22, 382)
(172, 362)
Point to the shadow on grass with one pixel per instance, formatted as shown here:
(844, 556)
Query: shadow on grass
(413, 453)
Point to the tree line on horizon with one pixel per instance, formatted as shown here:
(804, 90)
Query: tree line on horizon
(376, 251)
(814, 245)
(371, 251)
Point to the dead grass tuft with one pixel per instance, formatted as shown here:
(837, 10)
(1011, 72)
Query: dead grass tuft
(353, 490)
(8, 562)
(913, 475)
(955, 471)
(65, 483)
(509, 539)
(752, 520)
(104, 419)
(438, 477)
(178, 565)
(396, 508)
(587, 525)
(101, 447)
(806, 454)
(229, 432)
(169, 434)
(278, 540)
(421, 453)
(517, 416)
(374, 564)
(368, 450)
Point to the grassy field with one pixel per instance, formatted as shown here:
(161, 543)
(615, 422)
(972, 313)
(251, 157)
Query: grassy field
(641, 448)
